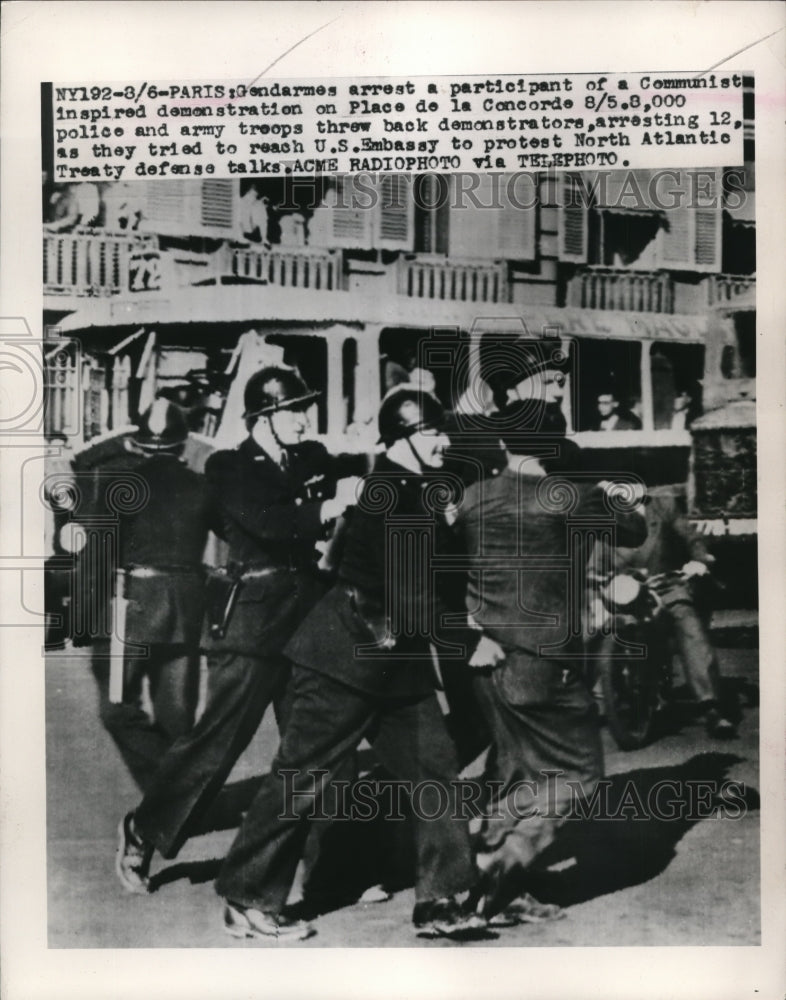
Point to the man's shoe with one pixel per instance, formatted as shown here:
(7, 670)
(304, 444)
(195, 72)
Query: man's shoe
(447, 918)
(375, 894)
(133, 857)
(526, 910)
(248, 922)
(719, 727)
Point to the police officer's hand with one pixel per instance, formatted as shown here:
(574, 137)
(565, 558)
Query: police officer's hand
(695, 568)
(488, 653)
(346, 496)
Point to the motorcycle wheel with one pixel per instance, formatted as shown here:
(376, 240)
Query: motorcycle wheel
(630, 694)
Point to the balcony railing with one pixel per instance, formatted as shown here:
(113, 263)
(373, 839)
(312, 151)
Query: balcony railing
(457, 281)
(95, 263)
(723, 288)
(304, 267)
(613, 288)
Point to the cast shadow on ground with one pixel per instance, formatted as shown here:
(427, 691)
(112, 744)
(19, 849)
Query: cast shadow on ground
(628, 842)
(633, 846)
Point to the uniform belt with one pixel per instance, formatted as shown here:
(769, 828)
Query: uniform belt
(256, 574)
(147, 572)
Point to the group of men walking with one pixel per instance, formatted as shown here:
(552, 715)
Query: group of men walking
(359, 653)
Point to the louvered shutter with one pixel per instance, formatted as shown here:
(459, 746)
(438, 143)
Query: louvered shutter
(165, 208)
(395, 213)
(472, 222)
(217, 205)
(351, 214)
(708, 239)
(516, 218)
(692, 240)
(572, 221)
(677, 238)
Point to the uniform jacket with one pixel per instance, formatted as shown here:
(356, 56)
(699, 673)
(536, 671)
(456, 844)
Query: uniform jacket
(353, 612)
(163, 513)
(270, 518)
(517, 517)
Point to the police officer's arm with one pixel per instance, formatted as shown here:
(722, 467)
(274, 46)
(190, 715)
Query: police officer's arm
(240, 500)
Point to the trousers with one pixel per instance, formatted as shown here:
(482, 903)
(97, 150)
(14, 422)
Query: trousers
(546, 752)
(696, 653)
(173, 678)
(327, 721)
(192, 772)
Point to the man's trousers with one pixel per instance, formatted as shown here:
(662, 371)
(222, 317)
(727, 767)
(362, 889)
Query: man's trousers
(546, 757)
(173, 678)
(191, 774)
(327, 720)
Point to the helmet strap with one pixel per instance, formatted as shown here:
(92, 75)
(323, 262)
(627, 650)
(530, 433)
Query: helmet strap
(283, 458)
(413, 449)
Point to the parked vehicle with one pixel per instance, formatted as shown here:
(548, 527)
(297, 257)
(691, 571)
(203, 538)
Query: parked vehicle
(634, 659)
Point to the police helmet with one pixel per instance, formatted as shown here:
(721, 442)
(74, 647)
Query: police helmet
(405, 410)
(272, 388)
(161, 427)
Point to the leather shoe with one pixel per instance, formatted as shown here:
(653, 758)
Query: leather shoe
(133, 857)
(526, 910)
(249, 922)
(447, 918)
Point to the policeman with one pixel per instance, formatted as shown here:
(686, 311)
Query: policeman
(276, 494)
(362, 668)
(162, 512)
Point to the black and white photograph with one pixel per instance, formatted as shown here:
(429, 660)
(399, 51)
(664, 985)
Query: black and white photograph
(397, 518)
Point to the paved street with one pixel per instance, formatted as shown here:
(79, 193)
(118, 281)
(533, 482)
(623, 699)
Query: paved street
(651, 882)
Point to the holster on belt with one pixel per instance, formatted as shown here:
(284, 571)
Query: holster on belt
(372, 614)
(222, 590)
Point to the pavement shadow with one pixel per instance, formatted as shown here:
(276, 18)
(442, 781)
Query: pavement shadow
(630, 837)
(633, 832)
(196, 872)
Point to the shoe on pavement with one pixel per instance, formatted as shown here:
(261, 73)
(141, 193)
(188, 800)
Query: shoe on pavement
(447, 918)
(375, 894)
(248, 922)
(526, 910)
(133, 857)
(719, 727)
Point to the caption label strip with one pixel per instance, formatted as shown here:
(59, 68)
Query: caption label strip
(124, 131)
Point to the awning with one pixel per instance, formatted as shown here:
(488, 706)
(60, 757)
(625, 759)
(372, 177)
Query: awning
(263, 305)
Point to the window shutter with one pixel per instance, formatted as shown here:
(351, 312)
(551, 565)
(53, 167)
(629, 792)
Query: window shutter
(516, 219)
(473, 224)
(165, 208)
(395, 218)
(217, 208)
(708, 239)
(693, 238)
(351, 216)
(572, 221)
(677, 238)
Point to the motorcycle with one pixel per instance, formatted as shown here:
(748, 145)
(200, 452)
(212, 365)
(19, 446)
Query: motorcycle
(634, 654)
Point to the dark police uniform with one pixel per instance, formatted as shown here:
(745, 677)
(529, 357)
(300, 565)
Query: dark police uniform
(340, 696)
(163, 516)
(270, 518)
